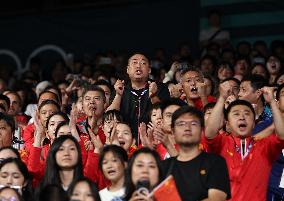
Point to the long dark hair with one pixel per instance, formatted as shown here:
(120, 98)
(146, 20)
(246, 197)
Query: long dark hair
(93, 188)
(129, 185)
(27, 190)
(51, 175)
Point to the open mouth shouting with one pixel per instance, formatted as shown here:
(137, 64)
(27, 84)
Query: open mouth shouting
(242, 126)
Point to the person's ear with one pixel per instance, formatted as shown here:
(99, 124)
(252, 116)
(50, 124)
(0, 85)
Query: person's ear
(258, 93)
(228, 127)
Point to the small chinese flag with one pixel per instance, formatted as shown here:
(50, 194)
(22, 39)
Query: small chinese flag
(166, 190)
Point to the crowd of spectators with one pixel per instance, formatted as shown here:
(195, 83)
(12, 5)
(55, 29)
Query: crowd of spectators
(114, 126)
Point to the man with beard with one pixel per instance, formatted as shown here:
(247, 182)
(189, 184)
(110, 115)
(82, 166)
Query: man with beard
(194, 88)
(198, 175)
(249, 160)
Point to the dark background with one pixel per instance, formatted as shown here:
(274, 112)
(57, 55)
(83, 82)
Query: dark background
(91, 26)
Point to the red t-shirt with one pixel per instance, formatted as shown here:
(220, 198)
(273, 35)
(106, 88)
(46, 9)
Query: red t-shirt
(248, 176)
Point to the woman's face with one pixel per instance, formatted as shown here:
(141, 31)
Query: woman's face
(52, 124)
(273, 65)
(113, 167)
(64, 130)
(9, 194)
(10, 175)
(145, 168)
(124, 136)
(67, 155)
(82, 192)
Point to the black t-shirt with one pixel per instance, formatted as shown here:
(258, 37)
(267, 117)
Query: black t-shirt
(195, 177)
(136, 104)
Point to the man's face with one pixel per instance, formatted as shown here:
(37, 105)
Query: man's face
(188, 82)
(248, 93)
(15, 104)
(93, 104)
(167, 116)
(241, 120)
(5, 134)
(138, 68)
(235, 88)
(107, 92)
(45, 111)
(187, 130)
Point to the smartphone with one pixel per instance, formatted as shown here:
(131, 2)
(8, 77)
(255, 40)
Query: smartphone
(143, 187)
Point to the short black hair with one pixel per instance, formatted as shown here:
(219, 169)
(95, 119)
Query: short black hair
(9, 120)
(171, 101)
(280, 87)
(190, 110)
(235, 103)
(118, 151)
(191, 68)
(256, 81)
(94, 88)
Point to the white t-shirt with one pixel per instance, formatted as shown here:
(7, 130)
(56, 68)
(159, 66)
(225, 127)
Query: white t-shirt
(107, 195)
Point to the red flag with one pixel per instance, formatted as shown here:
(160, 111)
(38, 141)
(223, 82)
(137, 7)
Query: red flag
(166, 190)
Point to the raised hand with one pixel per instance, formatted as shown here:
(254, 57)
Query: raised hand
(153, 89)
(268, 93)
(113, 136)
(176, 91)
(39, 133)
(73, 121)
(119, 87)
(146, 138)
(201, 89)
(225, 90)
(96, 141)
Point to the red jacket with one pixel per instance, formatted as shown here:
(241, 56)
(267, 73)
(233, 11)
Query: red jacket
(93, 172)
(28, 136)
(248, 174)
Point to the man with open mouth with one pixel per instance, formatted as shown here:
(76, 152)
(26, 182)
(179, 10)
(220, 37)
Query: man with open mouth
(135, 99)
(194, 88)
(249, 160)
